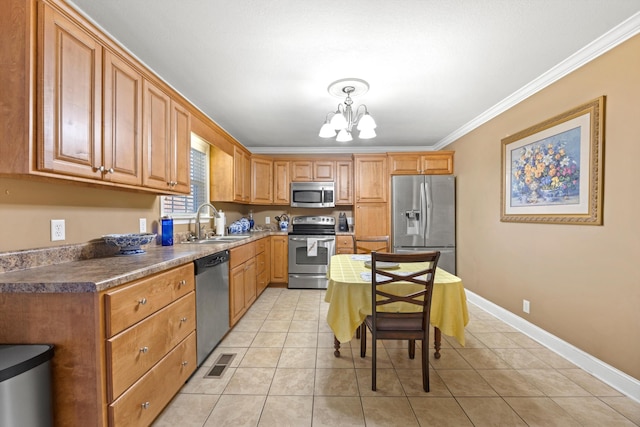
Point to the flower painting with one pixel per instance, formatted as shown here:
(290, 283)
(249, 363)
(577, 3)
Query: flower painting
(547, 171)
(552, 172)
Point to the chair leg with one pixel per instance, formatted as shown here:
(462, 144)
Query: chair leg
(373, 361)
(425, 364)
(412, 349)
(363, 339)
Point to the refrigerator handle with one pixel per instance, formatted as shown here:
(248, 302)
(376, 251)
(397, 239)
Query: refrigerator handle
(423, 209)
(428, 211)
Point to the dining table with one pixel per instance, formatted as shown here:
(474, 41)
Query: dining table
(349, 297)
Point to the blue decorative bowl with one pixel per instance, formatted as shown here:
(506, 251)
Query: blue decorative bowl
(129, 244)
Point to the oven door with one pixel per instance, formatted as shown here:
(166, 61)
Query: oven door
(310, 254)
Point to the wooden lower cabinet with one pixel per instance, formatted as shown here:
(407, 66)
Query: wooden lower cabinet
(150, 348)
(263, 267)
(242, 280)
(280, 259)
(372, 219)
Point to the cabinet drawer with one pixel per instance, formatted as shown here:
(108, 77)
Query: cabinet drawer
(344, 242)
(131, 353)
(131, 303)
(241, 254)
(142, 403)
(261, 245)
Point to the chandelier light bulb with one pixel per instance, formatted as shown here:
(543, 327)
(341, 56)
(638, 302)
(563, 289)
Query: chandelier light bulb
(344, 136)
(367, 122)
(367, 134)
(327, 131)
(338, 121)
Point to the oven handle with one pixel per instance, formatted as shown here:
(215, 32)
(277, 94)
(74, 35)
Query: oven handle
(304, 239)
(308, 276)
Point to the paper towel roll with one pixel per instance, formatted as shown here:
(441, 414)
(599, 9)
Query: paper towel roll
(221, 223)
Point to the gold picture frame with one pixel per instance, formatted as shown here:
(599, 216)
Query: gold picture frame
(552, 172)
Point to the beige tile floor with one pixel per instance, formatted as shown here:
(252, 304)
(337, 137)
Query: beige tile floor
(285, 374)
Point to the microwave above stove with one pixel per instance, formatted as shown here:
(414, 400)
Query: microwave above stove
(313, 195)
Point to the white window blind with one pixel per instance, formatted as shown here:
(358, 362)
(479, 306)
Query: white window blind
(186, 206)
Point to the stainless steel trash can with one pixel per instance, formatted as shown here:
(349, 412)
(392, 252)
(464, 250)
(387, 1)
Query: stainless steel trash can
(25, 385)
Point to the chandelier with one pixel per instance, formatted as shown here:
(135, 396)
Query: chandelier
(345, 118)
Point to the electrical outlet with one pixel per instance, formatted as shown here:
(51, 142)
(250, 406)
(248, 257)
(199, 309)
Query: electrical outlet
(57, 230)
(267, 220)
(526, 306)
(143, 225)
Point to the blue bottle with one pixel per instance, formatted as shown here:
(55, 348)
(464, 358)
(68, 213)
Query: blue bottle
(167, 231)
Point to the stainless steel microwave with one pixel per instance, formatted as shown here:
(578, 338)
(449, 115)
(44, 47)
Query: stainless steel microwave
(313, 195)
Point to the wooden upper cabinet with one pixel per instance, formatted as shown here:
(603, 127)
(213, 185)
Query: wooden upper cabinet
(344, 182)
(122, 121)
(371, 178)
(371, 219)
(281, 181)
(309, 170)
(241, 176)
(261, 180)
(433, 163)
(166, 143)
(70, 112)
(180, 161)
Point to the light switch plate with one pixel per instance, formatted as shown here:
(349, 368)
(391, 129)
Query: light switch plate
(143, 225)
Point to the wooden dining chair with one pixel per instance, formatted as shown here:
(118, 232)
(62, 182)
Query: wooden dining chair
(368, 244)
(412, 326)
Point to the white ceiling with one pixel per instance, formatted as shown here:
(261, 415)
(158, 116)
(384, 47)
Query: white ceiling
(436, 68)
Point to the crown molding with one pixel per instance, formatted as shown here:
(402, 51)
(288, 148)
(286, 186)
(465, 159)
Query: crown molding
(593, 50)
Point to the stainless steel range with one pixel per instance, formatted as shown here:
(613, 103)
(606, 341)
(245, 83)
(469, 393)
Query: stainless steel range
(312, 243)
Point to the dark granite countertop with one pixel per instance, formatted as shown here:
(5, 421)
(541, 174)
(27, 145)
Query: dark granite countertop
(101, 273)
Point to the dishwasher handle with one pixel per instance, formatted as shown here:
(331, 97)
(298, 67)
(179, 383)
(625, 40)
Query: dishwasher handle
(210, 261)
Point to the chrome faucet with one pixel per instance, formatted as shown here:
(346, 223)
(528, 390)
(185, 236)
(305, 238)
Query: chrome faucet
(198, 226)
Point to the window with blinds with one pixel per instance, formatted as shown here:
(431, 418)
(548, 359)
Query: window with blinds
(186, 206)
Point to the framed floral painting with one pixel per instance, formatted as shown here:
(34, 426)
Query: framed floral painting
(552, 172)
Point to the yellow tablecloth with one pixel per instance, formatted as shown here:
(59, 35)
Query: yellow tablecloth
(349, 298)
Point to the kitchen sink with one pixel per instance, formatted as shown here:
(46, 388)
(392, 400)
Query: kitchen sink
(221, 239)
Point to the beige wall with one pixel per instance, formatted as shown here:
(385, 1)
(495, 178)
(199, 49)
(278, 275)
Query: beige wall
(583, 281)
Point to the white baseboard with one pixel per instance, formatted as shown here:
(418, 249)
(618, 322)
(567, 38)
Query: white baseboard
(617, 379)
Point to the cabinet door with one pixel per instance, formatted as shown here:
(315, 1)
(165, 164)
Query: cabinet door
(241, 182)
(261, 180)
(301, 170)
(70, 114)
(344, 182)
(371, 178)
(236, 293)
(324, 171)
(279, 259)
(372, 219)
(405, 164)
(438, 163)
(249, 282)
(157, 137)
(180, 153)
(122, 118)
(281, 182)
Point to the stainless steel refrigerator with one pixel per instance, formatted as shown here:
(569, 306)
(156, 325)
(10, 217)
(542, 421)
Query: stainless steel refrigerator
(423, 216)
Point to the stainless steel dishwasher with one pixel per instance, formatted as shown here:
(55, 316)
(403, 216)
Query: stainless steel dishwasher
(212, 302)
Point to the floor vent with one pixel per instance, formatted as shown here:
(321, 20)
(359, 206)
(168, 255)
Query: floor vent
(220, 365)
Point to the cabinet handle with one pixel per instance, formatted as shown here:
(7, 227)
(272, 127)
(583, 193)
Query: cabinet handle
(145, 405)
(182, 282)
(144, 349)
(185, 363)
(101, 169)
(184, 319)
(111, 170)
(143, 301)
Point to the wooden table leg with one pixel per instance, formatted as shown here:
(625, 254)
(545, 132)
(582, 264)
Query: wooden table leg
(437, 336)
(336, 345)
